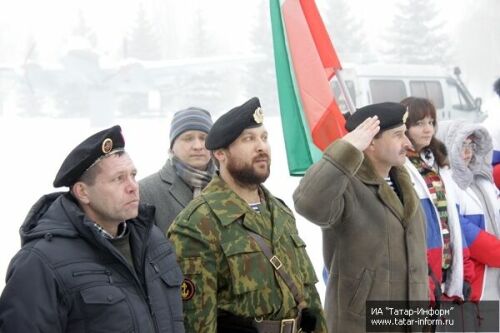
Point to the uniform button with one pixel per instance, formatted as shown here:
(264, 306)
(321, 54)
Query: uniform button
(109, 298)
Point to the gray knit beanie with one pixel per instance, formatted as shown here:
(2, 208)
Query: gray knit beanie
(189, 119)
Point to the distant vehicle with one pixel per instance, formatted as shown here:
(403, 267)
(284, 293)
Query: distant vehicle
(81, 84)
(377, 83)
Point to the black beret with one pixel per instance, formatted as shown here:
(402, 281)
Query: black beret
(87, 153)
(230, 125)
(390, 115)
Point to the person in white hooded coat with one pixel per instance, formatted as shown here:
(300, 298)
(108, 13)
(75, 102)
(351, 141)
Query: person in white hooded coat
(469, 150)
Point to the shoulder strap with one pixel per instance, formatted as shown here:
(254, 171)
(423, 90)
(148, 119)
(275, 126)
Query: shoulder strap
(278, 266)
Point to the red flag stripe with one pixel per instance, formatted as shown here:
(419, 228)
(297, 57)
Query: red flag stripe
(325, 120)
(324, 46)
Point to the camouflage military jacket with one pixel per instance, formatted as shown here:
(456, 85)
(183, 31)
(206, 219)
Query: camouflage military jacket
(226, 270)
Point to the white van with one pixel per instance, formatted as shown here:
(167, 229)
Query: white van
(377, 83)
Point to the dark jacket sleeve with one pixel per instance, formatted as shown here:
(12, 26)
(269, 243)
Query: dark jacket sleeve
(31, 301)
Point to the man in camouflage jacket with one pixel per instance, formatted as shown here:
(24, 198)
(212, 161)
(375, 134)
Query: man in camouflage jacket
(230, 285)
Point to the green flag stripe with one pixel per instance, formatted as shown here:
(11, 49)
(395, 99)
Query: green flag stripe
(298, 143)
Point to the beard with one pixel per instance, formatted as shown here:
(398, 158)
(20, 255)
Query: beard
(245, 174)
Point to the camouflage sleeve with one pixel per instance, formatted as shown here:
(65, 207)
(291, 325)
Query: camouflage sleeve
(196, 253)
(312, 298)
(309, 279)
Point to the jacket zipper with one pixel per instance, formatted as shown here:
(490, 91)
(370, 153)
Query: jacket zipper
(95, 272)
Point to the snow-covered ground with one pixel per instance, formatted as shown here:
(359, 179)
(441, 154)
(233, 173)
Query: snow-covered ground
(33, 149)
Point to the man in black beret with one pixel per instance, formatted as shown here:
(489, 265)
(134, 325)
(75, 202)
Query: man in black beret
(91, 258)
(373, 228)
(246, 268)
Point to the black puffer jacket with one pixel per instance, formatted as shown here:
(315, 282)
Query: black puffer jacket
(68, 278)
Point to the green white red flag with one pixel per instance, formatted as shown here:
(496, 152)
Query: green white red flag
(305, 62)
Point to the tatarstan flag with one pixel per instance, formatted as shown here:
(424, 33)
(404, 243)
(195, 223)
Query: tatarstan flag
(305, 61)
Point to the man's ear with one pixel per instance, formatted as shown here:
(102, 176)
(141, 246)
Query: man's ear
(80, 192)
(371, 146)
(220, 155)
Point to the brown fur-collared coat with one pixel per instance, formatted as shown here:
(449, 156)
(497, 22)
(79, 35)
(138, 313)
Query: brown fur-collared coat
(374, 242)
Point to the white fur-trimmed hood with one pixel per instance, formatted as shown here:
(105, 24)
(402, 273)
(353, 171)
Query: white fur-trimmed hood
(453, 133)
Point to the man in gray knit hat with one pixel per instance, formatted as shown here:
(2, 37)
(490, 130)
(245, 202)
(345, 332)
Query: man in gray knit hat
(187, 171)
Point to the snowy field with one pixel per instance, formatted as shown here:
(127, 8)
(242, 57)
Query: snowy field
(33, 149)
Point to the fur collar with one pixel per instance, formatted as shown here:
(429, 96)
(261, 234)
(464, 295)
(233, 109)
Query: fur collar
(410, 205)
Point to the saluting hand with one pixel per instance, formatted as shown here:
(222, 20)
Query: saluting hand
(362, 136)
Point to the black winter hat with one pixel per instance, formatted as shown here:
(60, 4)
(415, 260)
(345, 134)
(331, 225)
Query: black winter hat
(230, 125)
(390, 114)
(83, 156)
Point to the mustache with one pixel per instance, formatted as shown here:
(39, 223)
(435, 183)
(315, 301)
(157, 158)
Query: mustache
(261, 156)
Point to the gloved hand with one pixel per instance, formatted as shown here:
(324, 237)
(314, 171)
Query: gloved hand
(307, 320)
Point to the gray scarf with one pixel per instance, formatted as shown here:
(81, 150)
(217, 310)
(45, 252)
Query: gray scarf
(196, 179)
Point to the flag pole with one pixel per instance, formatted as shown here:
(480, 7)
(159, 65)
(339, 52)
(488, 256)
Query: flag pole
(347, 96)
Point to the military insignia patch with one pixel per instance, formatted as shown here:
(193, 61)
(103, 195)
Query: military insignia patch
(187, 289)
(107, 145)
(258, 115)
